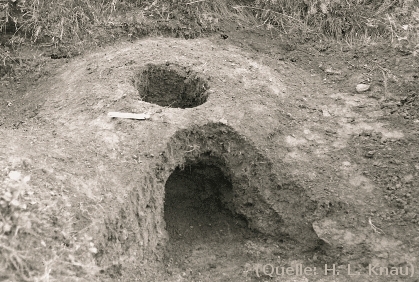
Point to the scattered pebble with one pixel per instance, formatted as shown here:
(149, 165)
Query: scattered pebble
(369, 154)
(331, 71)
(15, 175)
(362, 87)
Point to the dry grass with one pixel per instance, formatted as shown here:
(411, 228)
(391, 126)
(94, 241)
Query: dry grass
(55, 22)
(343, 19)
(70, 22)
(37, 241)
(70, 27)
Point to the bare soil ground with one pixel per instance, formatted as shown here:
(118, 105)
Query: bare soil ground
(284, 163)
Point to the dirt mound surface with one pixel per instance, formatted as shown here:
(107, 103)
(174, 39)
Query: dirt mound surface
(244, 162)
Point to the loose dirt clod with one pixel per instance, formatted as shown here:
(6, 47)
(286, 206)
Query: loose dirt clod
(171, 85)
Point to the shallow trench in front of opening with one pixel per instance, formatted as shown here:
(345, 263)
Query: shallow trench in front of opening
(205, 234)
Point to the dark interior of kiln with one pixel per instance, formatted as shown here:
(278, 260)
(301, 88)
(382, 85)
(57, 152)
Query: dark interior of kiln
(199, 209)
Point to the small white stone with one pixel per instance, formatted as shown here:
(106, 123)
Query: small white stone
(362, 87)
(26, 179)
(15, 175)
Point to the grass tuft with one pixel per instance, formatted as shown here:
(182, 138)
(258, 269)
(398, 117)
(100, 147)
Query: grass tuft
(76, 23)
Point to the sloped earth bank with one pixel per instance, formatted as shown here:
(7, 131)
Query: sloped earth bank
(250, 161)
